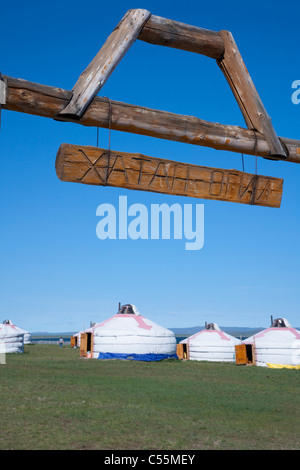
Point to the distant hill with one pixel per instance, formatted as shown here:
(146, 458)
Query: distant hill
(47, 334)
(231, 330)
(236, 331)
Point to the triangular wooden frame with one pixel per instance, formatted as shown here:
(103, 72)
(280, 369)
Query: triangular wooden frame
(140, 24)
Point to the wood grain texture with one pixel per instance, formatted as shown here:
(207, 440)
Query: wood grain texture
(165, 32)
(42, 100)
(96, 74)
(248, 99)
(97, 166)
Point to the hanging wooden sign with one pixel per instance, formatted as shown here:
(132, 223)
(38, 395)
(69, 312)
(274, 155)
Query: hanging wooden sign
(97, 166)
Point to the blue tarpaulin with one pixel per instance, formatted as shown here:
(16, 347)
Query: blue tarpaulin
(137, 357)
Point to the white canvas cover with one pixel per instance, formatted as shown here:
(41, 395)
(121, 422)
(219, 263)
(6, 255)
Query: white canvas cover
(11, 339)
(27, 335)
(131, 333)
(279, 344)
(78, 335)
(212, 344)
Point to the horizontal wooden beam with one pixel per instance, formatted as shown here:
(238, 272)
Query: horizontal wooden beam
(165, 32)
(97, 166)
(47, 101)
(96, 74)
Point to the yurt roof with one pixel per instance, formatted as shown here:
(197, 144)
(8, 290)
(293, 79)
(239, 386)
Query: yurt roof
(280, 331)
(10, 330)
(10, 322)
(212, 333)
(78, 334)
(129, 321)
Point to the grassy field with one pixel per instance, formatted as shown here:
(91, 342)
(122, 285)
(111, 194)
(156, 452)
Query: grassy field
(52, 399)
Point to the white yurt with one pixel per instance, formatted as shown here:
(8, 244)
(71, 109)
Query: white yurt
(212, 344)
(277, 345)
(11, 339)
(75, 339)
(129, 335)
(27, 335)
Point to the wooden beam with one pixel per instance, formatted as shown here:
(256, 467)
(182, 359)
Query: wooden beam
(242, 86)
(47, 101)
(165, 32)
(96, 74)
(97, 166)
(2, 91)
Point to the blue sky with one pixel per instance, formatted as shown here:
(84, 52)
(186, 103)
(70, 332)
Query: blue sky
(55, 274)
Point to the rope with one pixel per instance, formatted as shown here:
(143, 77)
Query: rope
(109, 138)
(252, 201)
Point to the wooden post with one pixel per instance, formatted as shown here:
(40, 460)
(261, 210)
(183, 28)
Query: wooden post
(47, 101)
(251, 106)
(96, 166)
(93, 78)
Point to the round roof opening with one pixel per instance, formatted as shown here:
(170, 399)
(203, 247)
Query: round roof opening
(128, 309)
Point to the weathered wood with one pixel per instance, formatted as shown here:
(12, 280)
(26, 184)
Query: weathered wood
(242, 86)
(2, 91)
(95, 166)
(42, 100)
(96, 74)
(178, 35)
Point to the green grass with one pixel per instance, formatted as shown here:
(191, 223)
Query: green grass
(52, 399)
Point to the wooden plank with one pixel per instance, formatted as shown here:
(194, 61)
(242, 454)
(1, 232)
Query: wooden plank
(179, 351)
(96, 74)
(96, 166)
(42, 100)
(242, 86)
(83, 345)
(178, 35)
(2, 91)
(241, 354)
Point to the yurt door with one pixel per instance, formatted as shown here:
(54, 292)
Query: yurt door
(83, 344)
(86, 344)
(244, 354)
(182, 351)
